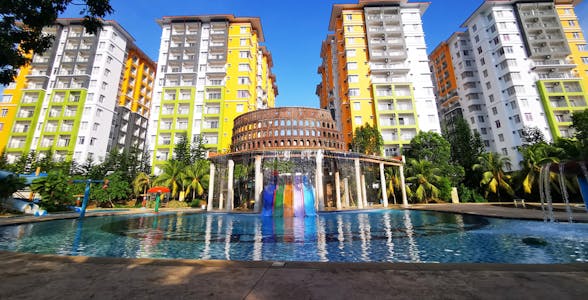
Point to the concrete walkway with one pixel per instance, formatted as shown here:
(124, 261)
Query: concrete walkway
(30, 276)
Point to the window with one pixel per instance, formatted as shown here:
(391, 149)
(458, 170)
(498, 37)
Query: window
(494, 110)
(350, 40)
(488, 85)
(81, 140)
(244, 54)
(243, 29)
(484, 130)
(4, 112)
(485, 72)
(243, 42)
(92, 141)
(529, 116)
(353, 78)
(473, 120)
(6, 98)
(480, 118)
(501, 137)
(480, 50)
(348, 17)
(582, 47)
(571, 23)
(585, 60)
(104, 85)
(240, 107)
(95, 126)
(497, 122)
(356, 106)
(504, 151)
(106, 72)
(243, 80)
(242, 94)
(99, 112)
(108, 59)
(517, 119)
(576, 35)
(353, 92)
(101, 98)
(352, 66)
(244, 67)
(350, 53)
(477, 38)
(349, 28)
(475, 28)
(482, 61)
(358, 120)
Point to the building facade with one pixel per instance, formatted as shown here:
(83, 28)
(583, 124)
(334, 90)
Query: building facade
(375, 70)
(211, 69)
(517, 65)
(66, 99)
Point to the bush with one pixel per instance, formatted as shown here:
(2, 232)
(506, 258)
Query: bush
(467, 194)
(177, 204)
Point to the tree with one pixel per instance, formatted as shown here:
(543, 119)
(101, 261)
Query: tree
(171, 176)
(493, 177)
(54, 189)
(21, 29)
(198, 149)
(534, 157)
(367, 140)
(422, 176)
(465, 149)
(195, 178)
(3, 160)
(10, 184)
(432, 147)
(392, 182)
(241, 174)
(141, 183)
(580, 124)
(118, 189)
(182, 151)
(532, 135)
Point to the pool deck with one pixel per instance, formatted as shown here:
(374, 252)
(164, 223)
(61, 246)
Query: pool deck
(31, 276)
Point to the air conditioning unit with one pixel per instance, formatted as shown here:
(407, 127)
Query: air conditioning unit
(535, 19)
(385, 60)
(387, 73)
(547, 56)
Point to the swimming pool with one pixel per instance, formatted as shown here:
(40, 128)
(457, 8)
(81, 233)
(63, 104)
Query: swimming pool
(360, 236)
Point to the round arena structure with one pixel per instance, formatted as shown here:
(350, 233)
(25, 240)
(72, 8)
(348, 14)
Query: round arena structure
(292, 161)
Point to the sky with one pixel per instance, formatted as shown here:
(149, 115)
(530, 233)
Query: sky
(293, 31)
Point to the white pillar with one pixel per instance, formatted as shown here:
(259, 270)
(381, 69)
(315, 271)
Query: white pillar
(383, 184)
(403, 188)
(346, 195)
(258, 184)
(338, 190)
(210, 187)
(358, 184)
(363, 191)
(230, 191)
(319, 180)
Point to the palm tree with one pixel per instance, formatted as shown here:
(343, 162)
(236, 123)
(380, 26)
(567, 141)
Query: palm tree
(493, 177)
(392, 181)
(422, 176)
(171, 176)
(534, 157)
(195, 177)
(141, 183)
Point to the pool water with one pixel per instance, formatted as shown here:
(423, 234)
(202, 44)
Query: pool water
(360, 236)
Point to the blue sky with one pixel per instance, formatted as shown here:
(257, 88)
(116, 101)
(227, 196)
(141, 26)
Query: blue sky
(293, 30)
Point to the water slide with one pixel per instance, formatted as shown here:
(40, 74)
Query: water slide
(298, 197)
(25, 207)
(279, 201)
(268, 200)
(288, 208)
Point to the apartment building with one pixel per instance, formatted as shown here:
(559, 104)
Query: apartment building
(516, 65)
(66, 99)
(375, 70)
(211, 69)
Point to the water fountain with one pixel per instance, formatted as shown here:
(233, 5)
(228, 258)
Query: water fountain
(563, 169)
(292, 162)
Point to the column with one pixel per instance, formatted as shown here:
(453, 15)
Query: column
(346, 195)
(230, 191)
(358, 184)
(364, 191)
(319, 180)
(210, 187)
(383, 184)
(403, 188)
(258, 184)
(338, 190)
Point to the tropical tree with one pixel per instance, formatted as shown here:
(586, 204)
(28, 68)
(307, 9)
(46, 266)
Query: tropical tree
(580, 124)
(54, 189)
(117, 189)
(432, 147)
(392, 182)
(367, 140)
(465, 148)
(491, 165)
(171, 176)
(195, 178)
(21, 29)
(141, 183)
(422, 178)
(241, 174)
(10, 184)
(534, 157)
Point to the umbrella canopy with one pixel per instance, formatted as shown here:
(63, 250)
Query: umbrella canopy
(158, 189)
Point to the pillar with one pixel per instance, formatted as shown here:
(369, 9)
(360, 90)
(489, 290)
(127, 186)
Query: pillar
(346, 195)
(383, 184)
(258, 184)
(403, 188)
(210, 187)
(358, 184)
(319, 180)
(338, 190)
(230, 191)
(364, 191)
